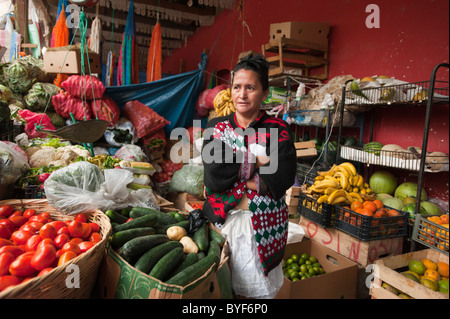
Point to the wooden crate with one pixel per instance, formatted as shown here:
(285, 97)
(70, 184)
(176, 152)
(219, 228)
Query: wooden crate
(361, 252)
(286, 55)
(305, 149)
(292, 196)
(387, 270)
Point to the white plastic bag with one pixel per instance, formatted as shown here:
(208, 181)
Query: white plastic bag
(247, 275)
(82, 187)
(13, 162)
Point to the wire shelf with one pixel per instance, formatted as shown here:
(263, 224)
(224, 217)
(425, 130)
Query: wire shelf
(375, 94)
(396, 159)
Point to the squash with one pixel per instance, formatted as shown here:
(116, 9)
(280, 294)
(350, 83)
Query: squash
(394, 150)
(436, 160)
(176, 232)
(189, 246)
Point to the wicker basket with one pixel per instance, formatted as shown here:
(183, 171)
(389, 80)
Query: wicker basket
(60, 283)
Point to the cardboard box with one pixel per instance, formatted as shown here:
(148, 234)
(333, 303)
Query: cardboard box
(70, 61)
(117, 279)
(338, 282)
(306, 149)
(313, 33)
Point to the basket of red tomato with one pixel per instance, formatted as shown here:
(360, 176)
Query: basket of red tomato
(45, 254)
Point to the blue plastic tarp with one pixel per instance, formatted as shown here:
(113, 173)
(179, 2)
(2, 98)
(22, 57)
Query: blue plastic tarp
(172, 97)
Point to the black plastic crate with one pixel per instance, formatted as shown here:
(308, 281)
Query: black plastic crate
(306, 173)
(30, 191)
(367, 228)
(323, 214)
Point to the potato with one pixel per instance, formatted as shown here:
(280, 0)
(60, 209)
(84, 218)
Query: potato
(189, 246)
(176, 232)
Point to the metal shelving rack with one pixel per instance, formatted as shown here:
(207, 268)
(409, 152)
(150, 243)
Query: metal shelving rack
(413, 94)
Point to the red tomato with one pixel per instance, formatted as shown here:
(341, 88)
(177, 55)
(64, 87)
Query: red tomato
(76, 240)
(20, 237)
(29, 212)
(95, 238)
(70, 246)
(5, 232)
(65, 257)
(6, 210)
(76, 229)
(81, 217)
(38, 218)
(63, 230)
(36, 225)
(46, 241)
(44, 257)
(46, 215)
(18, 220)
(8, 280)
(45, 271)
(58, 224)
(13, 249)
(5, 242)
(60, 240)
(16, 213)
(5, 261)
(33, 242)
(8, 223)
(48, 231)
(95, 227)
(85, 246)
(86, 230)
(21, 266)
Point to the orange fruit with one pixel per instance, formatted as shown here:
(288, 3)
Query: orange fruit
(442, 269)
(378, 203)
(432, 274)
(368, 205)
(444, 219)
(366, 212)
(429, 264)
(355, 205)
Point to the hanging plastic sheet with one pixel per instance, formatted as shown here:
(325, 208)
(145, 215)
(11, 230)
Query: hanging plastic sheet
(172, 97)
(128, 68)
(154, 55)
(60, 38)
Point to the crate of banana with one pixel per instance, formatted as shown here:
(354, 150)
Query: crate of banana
(223, 105)
(340, 185)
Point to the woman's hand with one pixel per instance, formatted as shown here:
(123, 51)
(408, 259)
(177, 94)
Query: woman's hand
(261, 161)
(252, 185)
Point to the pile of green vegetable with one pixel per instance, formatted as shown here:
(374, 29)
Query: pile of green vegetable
(160, 245)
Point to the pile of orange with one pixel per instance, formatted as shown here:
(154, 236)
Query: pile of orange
(374, 209)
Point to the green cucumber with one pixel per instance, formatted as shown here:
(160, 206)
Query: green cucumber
(216, 236)
(126, 211)
(167, 263)
(214, 249)
(193, 272)
(143, 221)
(190, 259)
(136, 247)
(163, 218)
(115, 217)
(118, 239)
(149, 259)
(201, 237)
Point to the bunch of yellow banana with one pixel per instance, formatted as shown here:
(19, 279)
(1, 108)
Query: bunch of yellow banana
(340, 184)
(223, 104)
(340, 196)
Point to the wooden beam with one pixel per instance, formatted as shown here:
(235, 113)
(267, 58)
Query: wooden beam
(203, 11)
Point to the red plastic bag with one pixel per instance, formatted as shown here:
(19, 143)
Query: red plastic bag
(35, 118)
(84, 87)
(65, 104)
(144, 119)
(105, 109)
(155, 141)
(206, 98)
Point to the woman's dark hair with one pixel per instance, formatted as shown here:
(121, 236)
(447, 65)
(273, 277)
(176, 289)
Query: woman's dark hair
(258, 64)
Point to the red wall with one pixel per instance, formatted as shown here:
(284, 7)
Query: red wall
(413, 37)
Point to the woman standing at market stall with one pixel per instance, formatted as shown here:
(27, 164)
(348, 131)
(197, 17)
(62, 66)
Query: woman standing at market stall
(250, 162)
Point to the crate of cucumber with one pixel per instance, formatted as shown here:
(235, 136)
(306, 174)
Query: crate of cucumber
(152, 255)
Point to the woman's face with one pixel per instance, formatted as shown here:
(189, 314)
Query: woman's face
(247, 92)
